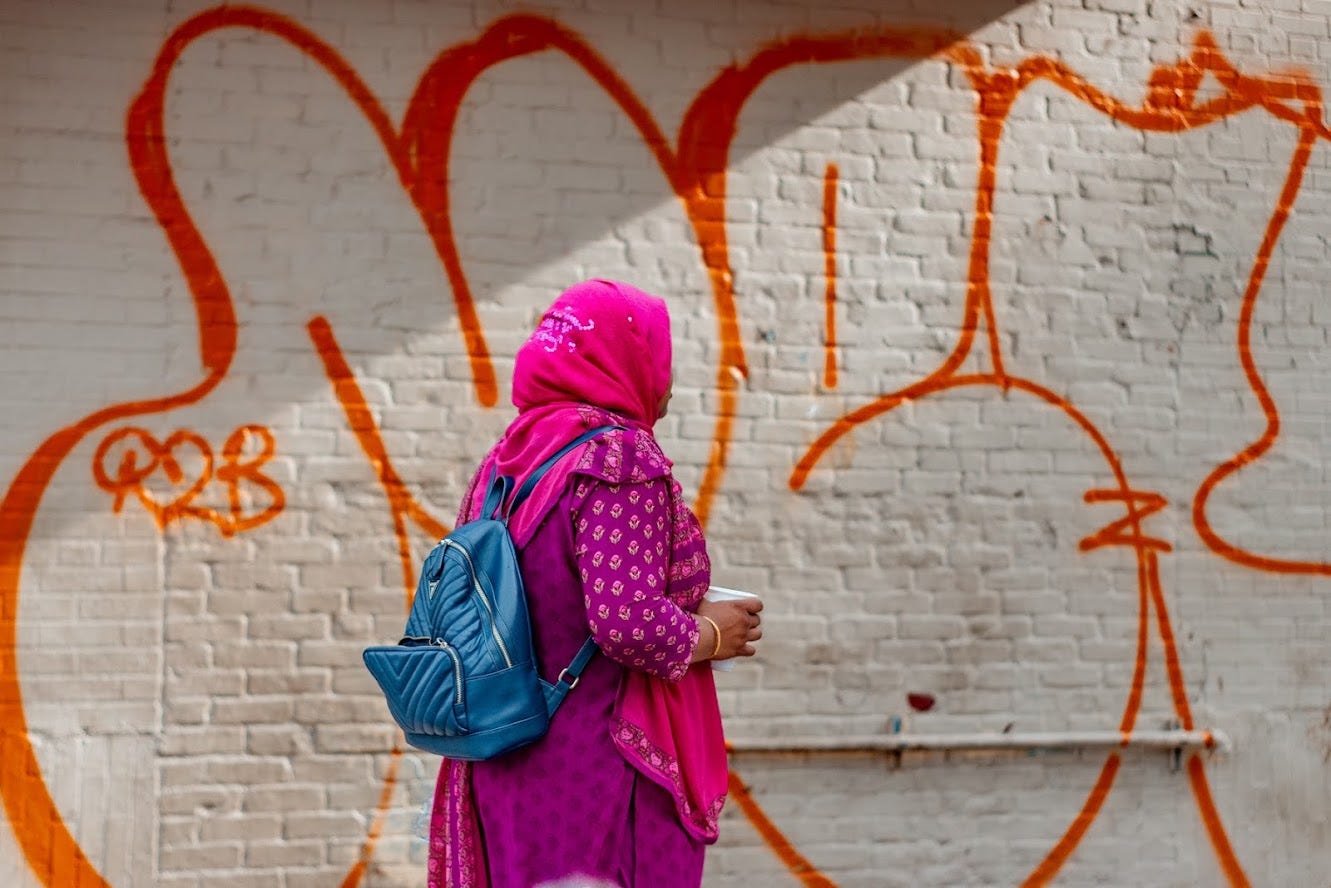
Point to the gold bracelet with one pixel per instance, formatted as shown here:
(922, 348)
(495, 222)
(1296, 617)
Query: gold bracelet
(717, 629)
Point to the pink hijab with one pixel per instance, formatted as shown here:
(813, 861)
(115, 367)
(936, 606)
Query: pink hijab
(601, 354)
(602, 343)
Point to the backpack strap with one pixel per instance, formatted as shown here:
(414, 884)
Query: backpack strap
(530, 484)
(499, 488)
(568, 679)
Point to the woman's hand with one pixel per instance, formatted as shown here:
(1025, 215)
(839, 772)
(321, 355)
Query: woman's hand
(739, 624)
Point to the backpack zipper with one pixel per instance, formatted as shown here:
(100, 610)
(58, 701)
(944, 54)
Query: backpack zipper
(485, 601)
(448, 649)
(457, 667)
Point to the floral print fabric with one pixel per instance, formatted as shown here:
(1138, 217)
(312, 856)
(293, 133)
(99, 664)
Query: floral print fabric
(619, 555)
(622, 549)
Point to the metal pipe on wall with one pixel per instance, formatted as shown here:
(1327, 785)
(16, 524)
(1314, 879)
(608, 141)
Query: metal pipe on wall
(1165, 739)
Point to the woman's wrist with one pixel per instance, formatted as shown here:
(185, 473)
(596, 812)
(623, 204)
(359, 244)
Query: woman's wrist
(716, 638)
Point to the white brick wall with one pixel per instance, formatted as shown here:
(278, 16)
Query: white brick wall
(195, 702)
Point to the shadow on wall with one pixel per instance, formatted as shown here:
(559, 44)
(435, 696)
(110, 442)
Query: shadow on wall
(526, 147)
(229, 141)
(612, 181)
(272, 230)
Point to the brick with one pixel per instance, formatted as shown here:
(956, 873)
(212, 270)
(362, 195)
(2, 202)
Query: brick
(250, 711)
(285, 854)
(208, 739)
(202, 856)
(284, 798)
(302, 878)
(934, 548)
(330, 825)
(248, 828)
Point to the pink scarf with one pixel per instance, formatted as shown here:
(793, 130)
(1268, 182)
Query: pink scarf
(602, 343)
(601, 355)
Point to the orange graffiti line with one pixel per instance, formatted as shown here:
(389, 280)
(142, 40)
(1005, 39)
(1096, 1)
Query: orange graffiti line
(357, 872)
(978, 290)
(1067, 844)
(1173, 668)
(217, 323)
(996, 92)
(1270, 94)
(1112, 533)
(47, 844)
(1179, 112)
(146, 139)
(427, 522)
(1215, 830)
(130, 477)
(1175, 88)
(1254, 451)
(1143, 553)
(1272, 91)
(1132, 706)
(1059, 854)
(128, 474)
(421, 143)
(50, 849)
(361, 422)
(431, 118)
(796, 863)
(829, 272)
(706, 135)
(233, 471)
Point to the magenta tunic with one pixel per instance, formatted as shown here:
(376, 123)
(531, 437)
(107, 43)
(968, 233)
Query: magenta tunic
(607, 559)
(627, 785)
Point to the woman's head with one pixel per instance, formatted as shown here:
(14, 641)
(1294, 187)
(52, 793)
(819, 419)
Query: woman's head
(601, 342)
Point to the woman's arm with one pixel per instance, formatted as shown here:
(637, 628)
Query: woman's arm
(621, 537)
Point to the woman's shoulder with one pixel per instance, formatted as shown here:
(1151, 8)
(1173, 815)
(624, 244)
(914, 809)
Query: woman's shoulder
(624, 455)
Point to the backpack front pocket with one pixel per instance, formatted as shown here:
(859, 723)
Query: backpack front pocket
(423, 683)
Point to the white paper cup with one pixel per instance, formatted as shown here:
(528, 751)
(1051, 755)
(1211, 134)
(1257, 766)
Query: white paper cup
(721, 593)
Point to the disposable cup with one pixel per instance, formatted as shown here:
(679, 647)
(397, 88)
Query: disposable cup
(721, 593)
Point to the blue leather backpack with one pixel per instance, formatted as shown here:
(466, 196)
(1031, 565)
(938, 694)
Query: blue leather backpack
(462, 682)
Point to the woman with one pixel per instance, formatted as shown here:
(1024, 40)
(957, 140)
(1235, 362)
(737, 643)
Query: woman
(627, 785)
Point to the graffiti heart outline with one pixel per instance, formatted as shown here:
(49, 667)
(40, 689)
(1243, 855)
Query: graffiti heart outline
(130, 476)
(696, 170)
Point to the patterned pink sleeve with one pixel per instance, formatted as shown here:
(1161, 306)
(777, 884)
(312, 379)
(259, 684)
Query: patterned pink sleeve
(621, 537)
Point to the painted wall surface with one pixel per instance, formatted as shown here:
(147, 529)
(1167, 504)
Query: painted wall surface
(1002, 373)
